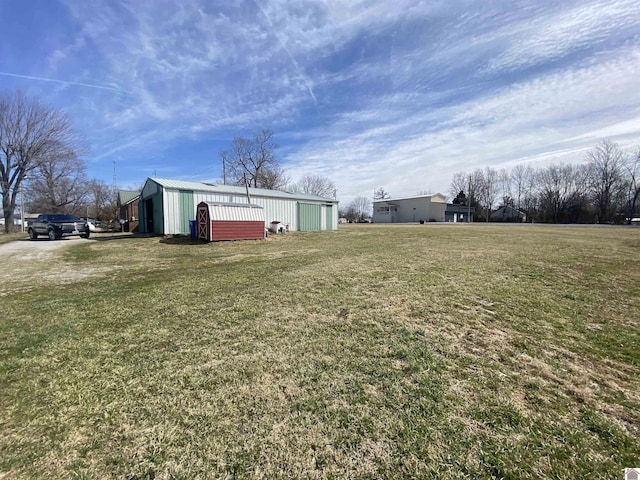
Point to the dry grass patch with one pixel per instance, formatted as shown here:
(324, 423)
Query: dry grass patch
(434, 351)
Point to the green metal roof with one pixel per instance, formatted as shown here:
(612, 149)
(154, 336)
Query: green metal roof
(214, 188)
(127, 196)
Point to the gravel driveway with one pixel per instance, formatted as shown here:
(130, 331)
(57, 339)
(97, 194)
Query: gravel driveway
(35, 249)
(28, 262)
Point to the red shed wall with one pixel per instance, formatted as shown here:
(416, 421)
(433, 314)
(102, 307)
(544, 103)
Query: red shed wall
(236, 230)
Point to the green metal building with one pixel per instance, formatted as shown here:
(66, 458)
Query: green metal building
(166, 206)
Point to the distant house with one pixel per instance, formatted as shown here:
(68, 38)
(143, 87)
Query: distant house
(426, 208)
(459, 213)
(128, 202)
(16, 219)
(508, 214)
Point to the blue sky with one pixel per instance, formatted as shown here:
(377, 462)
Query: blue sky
(399, 94)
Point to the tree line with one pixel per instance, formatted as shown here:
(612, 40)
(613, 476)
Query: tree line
(604, 189)
(41, 159)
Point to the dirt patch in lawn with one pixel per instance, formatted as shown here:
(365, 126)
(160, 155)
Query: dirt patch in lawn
(26, 265)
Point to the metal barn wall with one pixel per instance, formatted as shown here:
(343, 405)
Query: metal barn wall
(180, 207)
(175, 215)
(172, 219)
(150, 188)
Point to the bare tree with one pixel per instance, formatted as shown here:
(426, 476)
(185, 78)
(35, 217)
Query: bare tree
(101, 202)
(30, 132)
(488, 187)
(605, 163)
(317, 185)
(632, 169)
(360, 206)
(521, 177)
(472, 184)
(58, 184)
(381, 194)
(561, 192)
(273, 178)
(253, 161)
(504, 179)
(459, 183)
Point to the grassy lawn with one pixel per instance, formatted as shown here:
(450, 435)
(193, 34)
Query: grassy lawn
(426, 351)
(11, 237)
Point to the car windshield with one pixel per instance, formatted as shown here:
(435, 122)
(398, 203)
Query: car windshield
(65, 218)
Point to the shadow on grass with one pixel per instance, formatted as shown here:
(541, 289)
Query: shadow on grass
(181, 240)
(102, 237)
(107, 237)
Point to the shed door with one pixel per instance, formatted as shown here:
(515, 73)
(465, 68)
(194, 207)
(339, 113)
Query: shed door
(157, 220)
(149, 215)
(204, 225)
(309, 217)
(153, 214)
(329, 217)
(187, 210)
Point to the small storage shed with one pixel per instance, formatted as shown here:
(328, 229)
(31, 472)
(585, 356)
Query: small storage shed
(218, 221)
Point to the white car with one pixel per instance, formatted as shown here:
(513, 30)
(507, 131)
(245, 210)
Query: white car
(92, 224)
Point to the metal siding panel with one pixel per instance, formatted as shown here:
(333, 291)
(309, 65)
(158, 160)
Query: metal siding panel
(150, 188)
(280, 210)
(171, 212)
(231, 213)
(186, 210)
(309, 217)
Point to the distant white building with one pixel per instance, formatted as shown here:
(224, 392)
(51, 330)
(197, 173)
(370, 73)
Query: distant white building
(426, 208)
(16, 219)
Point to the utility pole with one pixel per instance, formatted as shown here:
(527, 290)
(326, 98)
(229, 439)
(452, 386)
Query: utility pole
(469, 201)
(224, 172)
(22, 206)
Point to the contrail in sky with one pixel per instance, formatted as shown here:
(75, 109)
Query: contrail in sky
(284, 47)
(64, 82)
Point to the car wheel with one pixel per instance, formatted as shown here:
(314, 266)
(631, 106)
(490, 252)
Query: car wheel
(52, 235)
(32, 234)
(86, 235)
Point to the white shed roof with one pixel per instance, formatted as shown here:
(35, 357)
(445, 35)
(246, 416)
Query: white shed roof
(234, 211)
(215, 188)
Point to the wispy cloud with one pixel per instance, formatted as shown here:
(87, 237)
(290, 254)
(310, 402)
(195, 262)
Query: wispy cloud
(371, 93)
(556, 115)
(63, 82)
